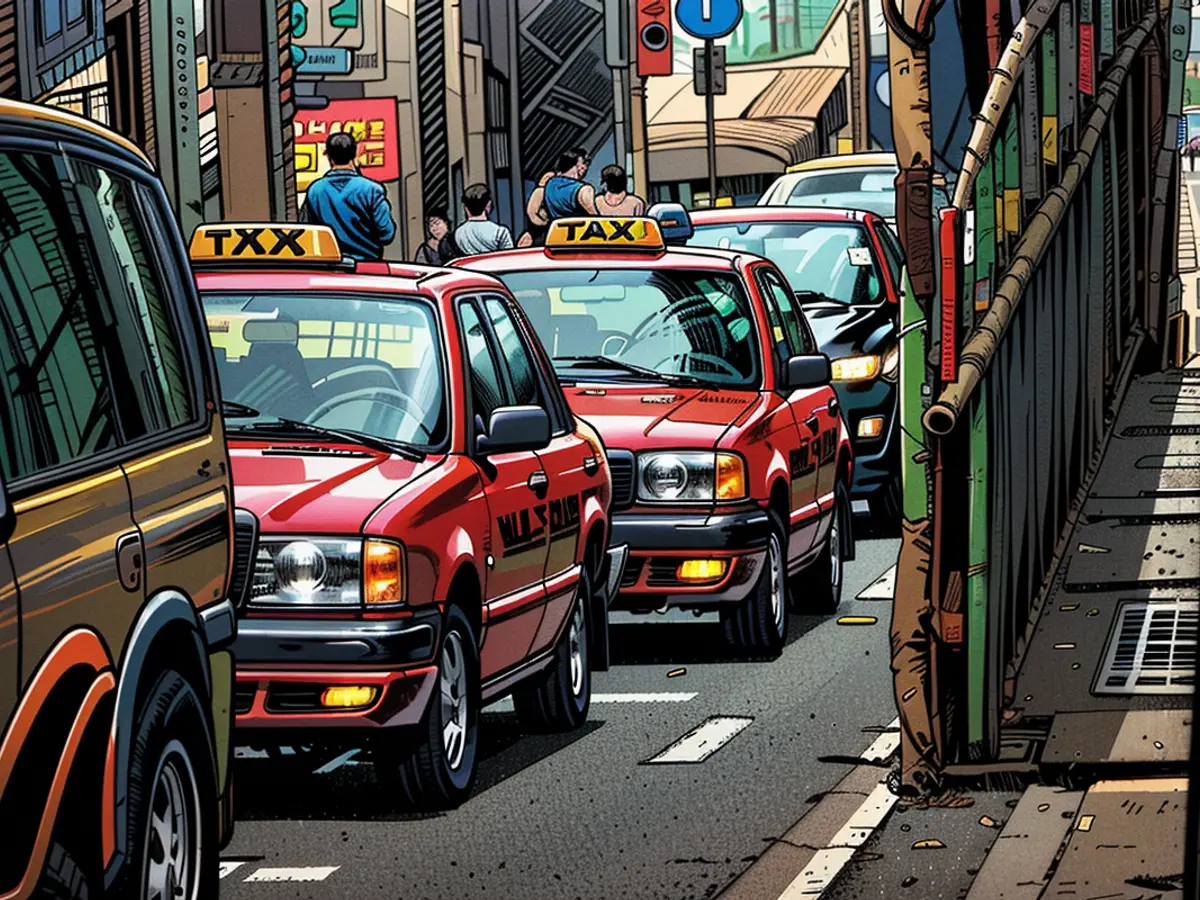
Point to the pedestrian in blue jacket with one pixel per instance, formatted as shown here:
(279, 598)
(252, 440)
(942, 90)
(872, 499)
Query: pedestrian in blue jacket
(350, 203)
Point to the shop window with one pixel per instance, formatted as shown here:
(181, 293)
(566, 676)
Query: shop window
(62, 27)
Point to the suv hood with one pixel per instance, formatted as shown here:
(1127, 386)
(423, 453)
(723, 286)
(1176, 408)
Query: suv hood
(316, 489)
(643, 417)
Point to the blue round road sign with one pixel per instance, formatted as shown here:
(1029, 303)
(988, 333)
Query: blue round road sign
(708, 19)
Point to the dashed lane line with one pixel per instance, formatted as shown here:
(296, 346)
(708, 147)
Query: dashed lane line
(882, 588)
(228, 868)
(337, 762)
(885, 745)
(297, 873)
(661, 697)
(702, 741)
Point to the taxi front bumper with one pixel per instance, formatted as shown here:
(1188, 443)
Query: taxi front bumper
(660, 544)
(284, 667)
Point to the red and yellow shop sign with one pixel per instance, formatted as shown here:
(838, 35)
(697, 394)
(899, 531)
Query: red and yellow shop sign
(373, 124)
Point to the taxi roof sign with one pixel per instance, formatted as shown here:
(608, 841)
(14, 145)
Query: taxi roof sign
(605, 234)
(247, 243)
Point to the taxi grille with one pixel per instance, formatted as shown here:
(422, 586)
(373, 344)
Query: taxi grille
(633, 571)
(620, 463)
(663, 572)
(243, 697)
(245, 544)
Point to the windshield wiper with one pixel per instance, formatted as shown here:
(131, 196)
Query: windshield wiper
(809, 297)
(375, 442)
(633, 369)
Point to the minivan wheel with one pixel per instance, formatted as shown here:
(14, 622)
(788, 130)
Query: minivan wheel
(558, 698)
(822, 580)
(438, 770)
(758, 625)
(172, 799)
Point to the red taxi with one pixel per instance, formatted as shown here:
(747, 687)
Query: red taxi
(730, 461)
(433, 520)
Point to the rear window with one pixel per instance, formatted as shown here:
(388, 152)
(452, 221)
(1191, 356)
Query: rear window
(873, 190)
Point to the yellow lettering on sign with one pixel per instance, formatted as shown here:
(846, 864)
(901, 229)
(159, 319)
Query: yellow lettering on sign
(605, 234)
(264, 243)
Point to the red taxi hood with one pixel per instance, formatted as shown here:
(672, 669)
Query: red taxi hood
(638, 417)
(317, 490)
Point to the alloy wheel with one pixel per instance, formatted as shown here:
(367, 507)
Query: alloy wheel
(454, 699)
(172, 848)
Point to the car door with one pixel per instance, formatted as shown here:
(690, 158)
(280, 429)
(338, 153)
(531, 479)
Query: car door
(515, 490)
(75, 552)
(176, 467)
(568, 462)
(804, 455)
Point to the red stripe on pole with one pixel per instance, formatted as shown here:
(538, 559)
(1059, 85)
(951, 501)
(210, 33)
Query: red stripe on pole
(948, 234)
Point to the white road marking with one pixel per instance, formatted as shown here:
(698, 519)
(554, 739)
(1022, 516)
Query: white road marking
(662, 697)
(337, 762)
(703, 741)
(228, 868)
(299, 873)
(248, 753)
(824, 867)
(882, 588)
(885, 745)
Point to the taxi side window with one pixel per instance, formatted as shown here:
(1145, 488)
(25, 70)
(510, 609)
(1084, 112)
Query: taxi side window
(60, 359)
(143, 314)
(487, 393)
(892, 253)
(782, 307)
(521, 371)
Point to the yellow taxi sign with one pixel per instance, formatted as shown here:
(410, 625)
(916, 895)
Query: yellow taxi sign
(605, 234)
(266, 243)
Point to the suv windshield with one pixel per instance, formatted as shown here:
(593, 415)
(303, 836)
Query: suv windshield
(829, 262)
(338, 362)
(642, 325)
(870, 189)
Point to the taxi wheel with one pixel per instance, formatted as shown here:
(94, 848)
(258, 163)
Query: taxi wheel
(172, 850)
(758, 625)
(438, 771)
(558, 698)
(823, 578)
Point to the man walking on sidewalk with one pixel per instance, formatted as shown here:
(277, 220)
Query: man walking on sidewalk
(351, 204)
(566, 194)
(479, 234)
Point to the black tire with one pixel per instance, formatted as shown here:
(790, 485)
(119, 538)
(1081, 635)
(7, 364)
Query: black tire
(437, 772)
(557, 699)
(821, 583)
(172, 774)
(62, 878)
(758, 625)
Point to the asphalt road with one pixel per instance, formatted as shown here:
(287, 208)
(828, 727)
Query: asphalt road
(583, 815)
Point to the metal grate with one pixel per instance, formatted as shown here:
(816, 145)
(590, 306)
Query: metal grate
(1152, 649)
(620, 463)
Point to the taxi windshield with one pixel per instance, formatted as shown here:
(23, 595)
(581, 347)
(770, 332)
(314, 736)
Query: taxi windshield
(642, 325)
(823, 262)
(342, 362)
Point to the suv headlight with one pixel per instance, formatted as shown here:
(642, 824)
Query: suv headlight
(855, 368)
(690, 477)
(890, 369)
(327, 572)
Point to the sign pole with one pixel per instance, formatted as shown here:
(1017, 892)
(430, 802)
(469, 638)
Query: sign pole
(710, 123)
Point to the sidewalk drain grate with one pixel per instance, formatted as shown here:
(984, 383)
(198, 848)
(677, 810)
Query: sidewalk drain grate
(1152, 649)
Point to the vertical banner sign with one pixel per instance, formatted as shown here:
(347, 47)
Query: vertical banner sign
(372, 122)
(1050, 96)
(1107, 37)
(1086, 65)
(1031, 135)
(1067, 69)
(948, 233)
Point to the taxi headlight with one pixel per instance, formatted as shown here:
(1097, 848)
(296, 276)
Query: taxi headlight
(307, 572)
(689, 477)
(855, 368)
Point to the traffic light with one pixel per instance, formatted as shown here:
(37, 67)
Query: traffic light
(655, 52)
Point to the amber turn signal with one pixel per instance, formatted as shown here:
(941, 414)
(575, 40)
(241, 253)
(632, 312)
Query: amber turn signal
(731, 477)
(870, 427)
(702, 570)
(383, 573)
(348, 696)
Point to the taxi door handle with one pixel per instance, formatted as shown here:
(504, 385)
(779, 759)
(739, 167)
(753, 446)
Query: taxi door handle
(538, 482)
(591, 465)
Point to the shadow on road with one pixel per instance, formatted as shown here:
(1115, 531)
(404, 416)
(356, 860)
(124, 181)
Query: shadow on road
(270, 791)
(660, 643)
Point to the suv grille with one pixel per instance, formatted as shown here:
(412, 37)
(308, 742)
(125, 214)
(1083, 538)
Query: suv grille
(620, 463)
(245, 545)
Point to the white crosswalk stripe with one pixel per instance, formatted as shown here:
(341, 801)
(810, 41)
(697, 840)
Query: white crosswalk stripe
(662, 697)
(882, 588)
(885, 745)
(228, 868)
(298, 873)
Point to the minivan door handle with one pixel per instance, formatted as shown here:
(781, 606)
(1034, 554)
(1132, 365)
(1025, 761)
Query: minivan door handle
(538, 482)
(130, 561)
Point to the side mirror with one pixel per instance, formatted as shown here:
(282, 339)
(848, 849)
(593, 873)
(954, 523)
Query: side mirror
(802, 372)
(8, 515)
(514, 429)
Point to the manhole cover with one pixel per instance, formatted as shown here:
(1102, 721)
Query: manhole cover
(1152, 649)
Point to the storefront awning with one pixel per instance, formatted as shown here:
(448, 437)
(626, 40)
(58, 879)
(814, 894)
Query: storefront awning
(766, 121)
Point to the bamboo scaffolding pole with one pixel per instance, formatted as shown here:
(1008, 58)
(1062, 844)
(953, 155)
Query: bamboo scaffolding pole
(999, 95)
(980, 347)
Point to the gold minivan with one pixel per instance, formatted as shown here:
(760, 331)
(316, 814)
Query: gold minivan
(120, 561)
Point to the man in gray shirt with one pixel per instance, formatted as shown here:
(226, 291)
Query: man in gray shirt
(479, 234)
